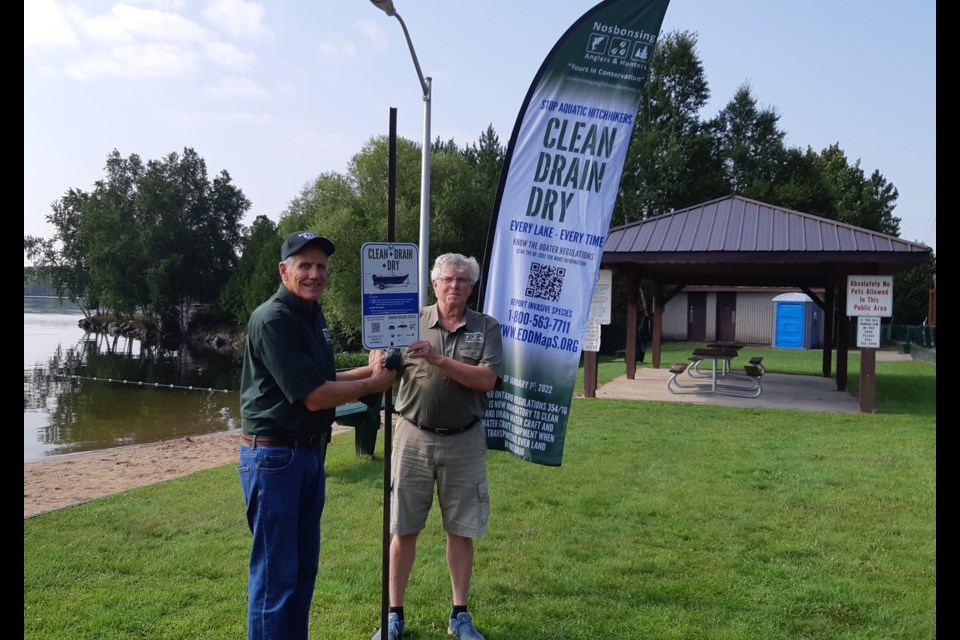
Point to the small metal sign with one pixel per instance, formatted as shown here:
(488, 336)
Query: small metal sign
(591, 338)
(868, 332)
(391, 298)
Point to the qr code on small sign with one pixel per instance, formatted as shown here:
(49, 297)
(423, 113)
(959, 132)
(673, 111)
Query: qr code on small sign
(375, 326)
(545, 282)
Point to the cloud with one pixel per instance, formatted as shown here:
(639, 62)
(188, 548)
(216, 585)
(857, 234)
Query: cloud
(239, 18)
(135, 61)
(371, 31)
(222, 119)
(163, 5)
(287, 89)
(128, 24)
(236, 87)
(229, 56)
(46, 23)
(142, 38)
(339, 48)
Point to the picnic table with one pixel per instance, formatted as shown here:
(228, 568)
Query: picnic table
(722, 380)
(716, 355)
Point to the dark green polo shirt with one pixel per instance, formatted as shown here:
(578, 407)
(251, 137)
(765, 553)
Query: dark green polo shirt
(430, 398)
(288, 355)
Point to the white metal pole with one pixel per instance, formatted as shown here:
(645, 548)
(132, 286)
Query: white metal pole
(425, 198)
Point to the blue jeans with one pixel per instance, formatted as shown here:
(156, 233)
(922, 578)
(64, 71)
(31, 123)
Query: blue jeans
(284, 489)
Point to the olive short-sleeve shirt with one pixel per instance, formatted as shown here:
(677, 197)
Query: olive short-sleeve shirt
(430, 398)
(288, 355)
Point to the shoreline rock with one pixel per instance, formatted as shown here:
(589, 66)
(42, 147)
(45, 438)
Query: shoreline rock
(223, 339)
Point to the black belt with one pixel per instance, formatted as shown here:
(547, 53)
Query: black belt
(303, 442)
(440, 430)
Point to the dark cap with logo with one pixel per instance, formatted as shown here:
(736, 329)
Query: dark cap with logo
(297, 240)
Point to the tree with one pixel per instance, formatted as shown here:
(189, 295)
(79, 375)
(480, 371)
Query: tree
(192, 228)
(256, 276)
(64, 266)
(35, 285)
(671, 161)
(152, 238)
(910, 293)
(461, 201)
(749, 144)
(859, 201)
(487, 155)
(676, 160)
(351, 209)
(800, 185)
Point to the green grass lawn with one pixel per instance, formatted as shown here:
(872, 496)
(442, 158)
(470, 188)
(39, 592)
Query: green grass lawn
(665, 520)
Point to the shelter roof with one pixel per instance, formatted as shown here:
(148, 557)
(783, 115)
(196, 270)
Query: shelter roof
(739, 241)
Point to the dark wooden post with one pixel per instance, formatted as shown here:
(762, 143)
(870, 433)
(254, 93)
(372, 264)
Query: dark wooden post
(631, 347)
(843, 331)
(868, 379)
(829, 325)
(590, 374)
(657, 324)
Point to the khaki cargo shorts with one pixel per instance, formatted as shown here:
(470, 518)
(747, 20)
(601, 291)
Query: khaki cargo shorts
(454, 465)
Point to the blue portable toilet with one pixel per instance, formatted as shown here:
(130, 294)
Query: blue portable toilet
(798, 322)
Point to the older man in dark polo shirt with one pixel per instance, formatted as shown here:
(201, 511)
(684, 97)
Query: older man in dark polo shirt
(441, 442)
(289, 393)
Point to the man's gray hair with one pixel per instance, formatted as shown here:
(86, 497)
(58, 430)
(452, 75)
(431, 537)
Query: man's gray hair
(457, 263)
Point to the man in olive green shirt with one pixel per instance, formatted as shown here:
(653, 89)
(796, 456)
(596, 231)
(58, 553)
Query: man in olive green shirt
(441, 441)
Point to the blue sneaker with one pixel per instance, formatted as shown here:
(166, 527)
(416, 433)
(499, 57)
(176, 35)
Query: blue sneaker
(462, 627)
(394, 628)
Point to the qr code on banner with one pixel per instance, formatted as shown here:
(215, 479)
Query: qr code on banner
(545, 282)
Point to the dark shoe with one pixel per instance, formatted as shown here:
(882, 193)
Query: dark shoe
(394, 628)
(462, 627)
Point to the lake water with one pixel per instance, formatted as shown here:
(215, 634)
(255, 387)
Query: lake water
(84, 392)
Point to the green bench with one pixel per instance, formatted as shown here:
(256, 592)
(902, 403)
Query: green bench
(364, 416)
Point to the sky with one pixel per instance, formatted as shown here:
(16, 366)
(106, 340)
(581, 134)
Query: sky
(278, 93)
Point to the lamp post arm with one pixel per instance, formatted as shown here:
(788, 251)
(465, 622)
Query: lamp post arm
(425, 85)
(413, 54)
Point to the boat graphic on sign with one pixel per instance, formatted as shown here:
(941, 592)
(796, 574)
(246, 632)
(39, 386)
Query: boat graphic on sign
(383, 282)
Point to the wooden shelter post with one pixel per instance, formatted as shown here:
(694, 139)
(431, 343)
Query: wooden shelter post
(843, 331)
(631, 348)
(829, 325)
(657, 323)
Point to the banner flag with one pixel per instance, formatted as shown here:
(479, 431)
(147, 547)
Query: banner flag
(552, 212)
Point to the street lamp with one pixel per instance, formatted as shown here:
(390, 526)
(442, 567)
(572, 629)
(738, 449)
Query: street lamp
(387, 7)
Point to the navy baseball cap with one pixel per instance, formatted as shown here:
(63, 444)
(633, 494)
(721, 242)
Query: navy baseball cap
(297, 240)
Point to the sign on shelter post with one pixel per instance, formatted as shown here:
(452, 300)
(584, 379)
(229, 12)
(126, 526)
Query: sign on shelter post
(869, 298)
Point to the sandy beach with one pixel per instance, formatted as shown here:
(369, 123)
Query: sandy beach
(76, 478)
